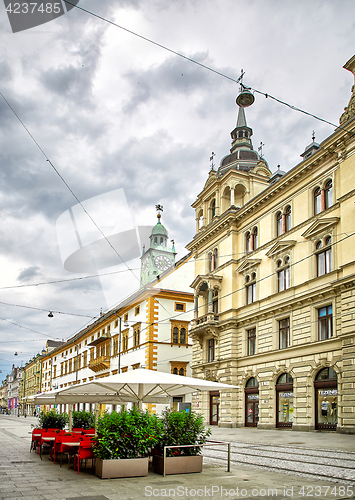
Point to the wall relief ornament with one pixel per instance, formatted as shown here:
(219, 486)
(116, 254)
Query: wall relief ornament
(349, 111)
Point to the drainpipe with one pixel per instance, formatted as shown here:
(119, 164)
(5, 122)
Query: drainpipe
(119, 345)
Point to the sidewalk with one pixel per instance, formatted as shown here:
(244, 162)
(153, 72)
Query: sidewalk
(25, 476)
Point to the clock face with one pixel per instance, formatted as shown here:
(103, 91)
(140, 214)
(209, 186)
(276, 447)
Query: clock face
(145, 265)
(162, 262)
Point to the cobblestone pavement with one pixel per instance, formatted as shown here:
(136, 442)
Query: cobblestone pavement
(23, 475)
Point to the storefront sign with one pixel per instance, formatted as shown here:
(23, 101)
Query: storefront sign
(253, 397)
(286, 394)
(328, 392)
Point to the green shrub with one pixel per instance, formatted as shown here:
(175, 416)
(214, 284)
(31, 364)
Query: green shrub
(126, 434)
(83, 419)
(181, 427)
(52, 420)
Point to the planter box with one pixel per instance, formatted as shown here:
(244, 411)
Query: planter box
(177, 465)
(127, 467)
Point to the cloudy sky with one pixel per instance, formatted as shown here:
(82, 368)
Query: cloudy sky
(122, 119)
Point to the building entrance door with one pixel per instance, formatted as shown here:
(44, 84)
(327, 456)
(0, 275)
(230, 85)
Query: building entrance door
(214, 408)
(326, 398)
(251, 402)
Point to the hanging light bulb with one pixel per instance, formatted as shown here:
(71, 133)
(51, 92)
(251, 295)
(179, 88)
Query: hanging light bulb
(245, 98)
(50, 315)
(16, 354)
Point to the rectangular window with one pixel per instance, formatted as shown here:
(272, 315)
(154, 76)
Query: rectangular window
(251, 293)
(125, 340)
(85, 358)
(180, 306)
(126, 317)
(54, 371)
(116, 323)
(251, 341)
(324, 262)
(115, 345)
(211, 350)
(136, 311)
(136, 336)
(284, 333)
(325, 323)
(283, 279)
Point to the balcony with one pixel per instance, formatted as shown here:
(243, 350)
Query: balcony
(100, 363)
(208, 318)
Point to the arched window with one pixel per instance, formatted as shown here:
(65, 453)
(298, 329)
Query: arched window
(210, 266)
(161, 240)
(213, 208)
(324, 256)
(283, 274)
(317, 195)
(155, 240)
(182, 372)
(247, 242)
(288, 218)
(255, 238)
(252, 382)
(328, 194)
(215, 259)
(279, 223)
(175, 335)
(215, 301)
(183, 336)
(285, 378)
(175, 371)
(326, 374)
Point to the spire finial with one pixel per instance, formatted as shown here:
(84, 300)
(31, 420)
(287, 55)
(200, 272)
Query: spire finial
(260, 149)
(211, 160)
(313, 135)
(159, 208)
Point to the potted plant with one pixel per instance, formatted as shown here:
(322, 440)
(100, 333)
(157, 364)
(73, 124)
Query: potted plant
(83, 420)
(52, 420)
(181, 428)
(123, 442)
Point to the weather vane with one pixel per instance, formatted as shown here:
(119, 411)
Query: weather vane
(211, 160)
(260, 149)
(159, 208)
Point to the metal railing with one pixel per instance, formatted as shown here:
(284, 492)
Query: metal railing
(208, 443)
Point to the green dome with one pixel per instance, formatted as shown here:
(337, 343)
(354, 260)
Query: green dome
(159, 229)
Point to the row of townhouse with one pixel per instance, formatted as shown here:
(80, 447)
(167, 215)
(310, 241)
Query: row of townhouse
(274, 285)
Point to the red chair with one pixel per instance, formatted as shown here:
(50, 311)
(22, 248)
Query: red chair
(36, 438)
(57, 444)
(47, 439)
(69, 446)
(85, 451)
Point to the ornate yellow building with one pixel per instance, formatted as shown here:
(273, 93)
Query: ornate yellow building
(275, 285)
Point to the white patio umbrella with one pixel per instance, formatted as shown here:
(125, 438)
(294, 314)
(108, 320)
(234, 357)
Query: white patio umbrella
(137, 386)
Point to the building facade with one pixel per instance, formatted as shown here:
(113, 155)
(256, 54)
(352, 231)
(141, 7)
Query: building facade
(147, 330)
(274, 285)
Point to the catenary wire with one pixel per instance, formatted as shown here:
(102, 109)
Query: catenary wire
(204, 66)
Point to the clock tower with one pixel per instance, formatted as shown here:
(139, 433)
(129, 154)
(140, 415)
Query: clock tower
(158, 258)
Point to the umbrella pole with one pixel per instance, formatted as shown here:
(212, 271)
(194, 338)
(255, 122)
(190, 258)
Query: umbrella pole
(96, 415)
(70, 418)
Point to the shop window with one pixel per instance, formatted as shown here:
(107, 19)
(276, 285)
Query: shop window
(251, 402)
(210, 350)
(325, 323)
(284, 333)
(317, 203)
(328, 194)
(250, 285)
(326, 399)
(324, 256)
(283, 274)
(251, 341)
(284, 394)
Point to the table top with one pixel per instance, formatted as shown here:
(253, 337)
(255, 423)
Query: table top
(71, 443)
(48, 438)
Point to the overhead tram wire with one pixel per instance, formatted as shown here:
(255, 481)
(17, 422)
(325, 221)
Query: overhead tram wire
(204, 66)
(30, 329)
(67, 185)
(46, 310)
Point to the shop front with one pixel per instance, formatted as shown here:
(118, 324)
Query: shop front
(284, 401)
(214, 407)
(326, 398)
(251, 403)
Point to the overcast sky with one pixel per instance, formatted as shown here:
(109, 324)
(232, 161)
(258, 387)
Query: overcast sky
(114, 112)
